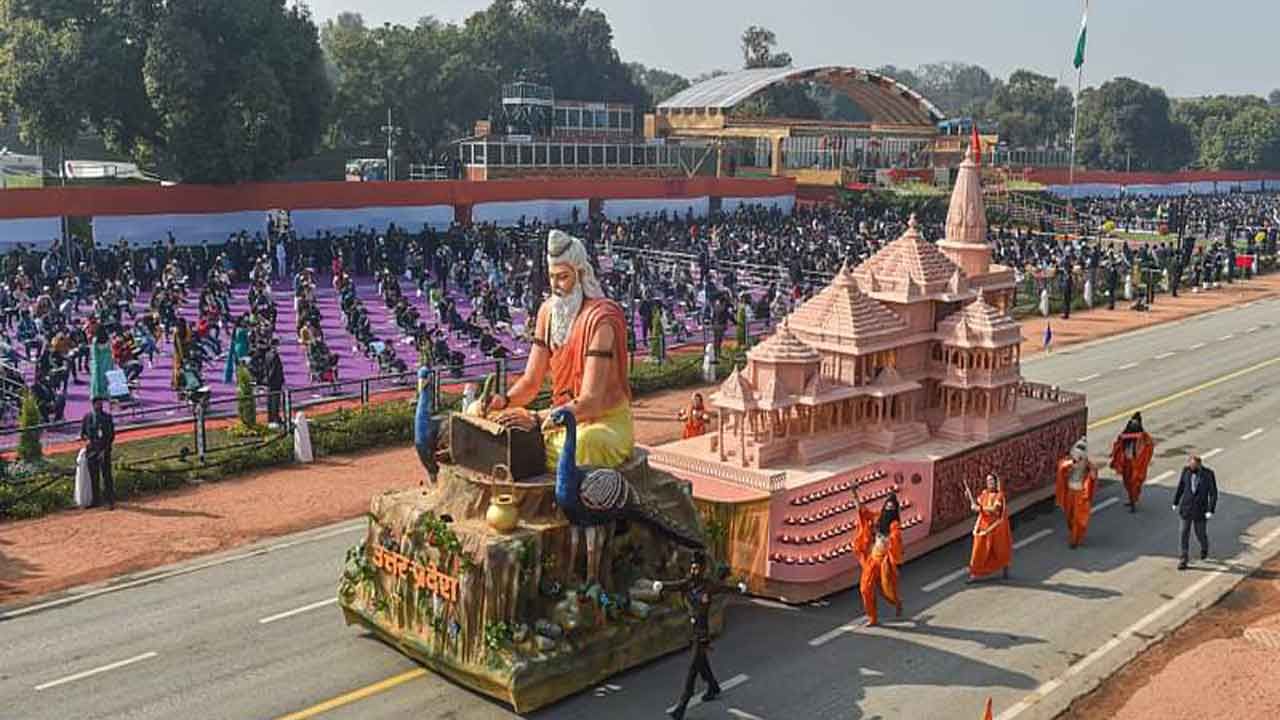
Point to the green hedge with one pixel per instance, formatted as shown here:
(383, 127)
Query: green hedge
(174, 464)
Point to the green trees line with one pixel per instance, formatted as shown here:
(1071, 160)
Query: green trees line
(221, 91)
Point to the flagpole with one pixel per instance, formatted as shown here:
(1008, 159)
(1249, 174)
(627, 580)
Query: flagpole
(1075, 127)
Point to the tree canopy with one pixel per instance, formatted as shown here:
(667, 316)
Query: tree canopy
(1126, 124)
(216, 90)
(1031, 110)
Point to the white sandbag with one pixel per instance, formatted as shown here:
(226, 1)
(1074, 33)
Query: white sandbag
(302, 439)
(84, 484)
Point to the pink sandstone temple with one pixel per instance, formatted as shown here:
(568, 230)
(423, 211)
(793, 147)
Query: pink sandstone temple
(904, 374)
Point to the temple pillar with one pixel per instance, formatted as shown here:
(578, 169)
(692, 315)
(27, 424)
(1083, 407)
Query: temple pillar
(720, 441)
(742, 447)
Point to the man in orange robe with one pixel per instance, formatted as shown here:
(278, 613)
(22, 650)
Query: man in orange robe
(1076, 482)
(695, 418)
(878, 545)
(1131, 456)
(992, 537)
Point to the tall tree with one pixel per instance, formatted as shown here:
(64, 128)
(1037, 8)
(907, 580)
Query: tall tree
(659, 84)
(1232, 132)
(959, 89)
(217, 90)
(1031, 109)
(757, 49)
(1128, 124)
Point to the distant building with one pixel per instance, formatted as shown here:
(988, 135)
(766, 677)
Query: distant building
(539, 135)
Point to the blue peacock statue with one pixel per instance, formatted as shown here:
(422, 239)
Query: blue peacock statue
(594, 498)
(425, 428)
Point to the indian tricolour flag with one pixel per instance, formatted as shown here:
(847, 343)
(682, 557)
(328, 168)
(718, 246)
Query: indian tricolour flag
(1084, 34)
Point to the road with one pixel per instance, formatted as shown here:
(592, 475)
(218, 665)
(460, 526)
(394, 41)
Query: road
(255, 634)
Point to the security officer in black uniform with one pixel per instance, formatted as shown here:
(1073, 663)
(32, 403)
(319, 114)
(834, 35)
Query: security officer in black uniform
(99, 430)
(698, 590)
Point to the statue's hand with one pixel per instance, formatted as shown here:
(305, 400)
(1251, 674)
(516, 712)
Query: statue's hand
(497, 403)
(517, 418)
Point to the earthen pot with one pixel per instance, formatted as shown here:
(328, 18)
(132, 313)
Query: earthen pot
(503, 514)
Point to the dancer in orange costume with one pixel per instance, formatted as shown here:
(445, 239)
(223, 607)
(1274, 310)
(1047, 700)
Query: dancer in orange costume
(1131, 456)
(695, 418)
(878, 546)
(992, 536)
(1077, 479)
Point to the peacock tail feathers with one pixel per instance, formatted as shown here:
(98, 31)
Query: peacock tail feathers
(604, 490)
(654, 517)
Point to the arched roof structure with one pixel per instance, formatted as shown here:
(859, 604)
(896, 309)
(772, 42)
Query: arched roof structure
(884, 99)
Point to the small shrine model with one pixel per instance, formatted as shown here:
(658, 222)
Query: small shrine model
(903, 374)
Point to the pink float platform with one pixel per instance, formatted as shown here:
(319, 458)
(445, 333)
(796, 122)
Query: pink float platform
(902, 374)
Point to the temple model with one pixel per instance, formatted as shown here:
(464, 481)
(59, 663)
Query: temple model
(594, 498)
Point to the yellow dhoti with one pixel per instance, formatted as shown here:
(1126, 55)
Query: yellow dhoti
(607, 441)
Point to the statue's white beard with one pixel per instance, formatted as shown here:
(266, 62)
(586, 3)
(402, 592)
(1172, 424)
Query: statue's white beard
(563, 311)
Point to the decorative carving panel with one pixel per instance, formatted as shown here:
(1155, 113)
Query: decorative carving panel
(1024, 462)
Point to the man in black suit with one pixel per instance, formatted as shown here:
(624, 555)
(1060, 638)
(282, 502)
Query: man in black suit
(1195, 500)
(99, 431)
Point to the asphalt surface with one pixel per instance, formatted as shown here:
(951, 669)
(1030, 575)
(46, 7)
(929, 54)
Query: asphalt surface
(190, 641)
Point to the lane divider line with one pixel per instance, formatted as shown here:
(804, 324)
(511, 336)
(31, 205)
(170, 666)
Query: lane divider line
(177, 572)
(1105, 504)
(725, 687)
(1128, 366)
(743, 714)
(830, 635)
(773, 604)
(1225, 338)
(297, 611)
(1251, 434)
(1048, 687)
(1087, 378)
(96, 671)
(1162, 476)
(356, 695)
(1211, 453)
(1184, 393)
(1197, 346)
(1162, 356)
(957, 574)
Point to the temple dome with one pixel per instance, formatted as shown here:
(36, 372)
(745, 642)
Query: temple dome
(782, 347)
(979, 324)
(909, 267)
(841, 312)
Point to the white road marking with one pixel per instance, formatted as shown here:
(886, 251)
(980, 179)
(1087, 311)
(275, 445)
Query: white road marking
(1033, 537)
(1252, 330)
(1251, 434)
(1105, 504)
(95, 671)
(297, 611)
(1051, 685)
(1162, 356)
(949, 577)
(1087, 378)
(743, 714)
(147, 580)
(1211, 453)
(1162, 476)
(830, 635)
(957, 574)
(1226, 337)
(1128, 366)
(725, 687)
(772, 604)
(1197, 346)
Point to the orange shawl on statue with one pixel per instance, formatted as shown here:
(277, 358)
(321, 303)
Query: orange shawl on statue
(1076, 504)
(992, 539)
(1133, 470)
(569, 363)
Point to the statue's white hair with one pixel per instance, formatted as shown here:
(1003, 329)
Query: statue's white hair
(564, 249)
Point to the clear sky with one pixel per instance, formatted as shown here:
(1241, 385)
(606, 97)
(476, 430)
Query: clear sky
(1188, 47)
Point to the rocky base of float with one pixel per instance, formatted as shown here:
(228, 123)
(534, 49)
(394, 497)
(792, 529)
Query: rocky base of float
(504, 613)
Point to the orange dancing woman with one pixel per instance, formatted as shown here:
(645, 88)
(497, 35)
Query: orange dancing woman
(992, 536)
(878, 546)
(1077, 479)
(1131, 456)
(695, 418)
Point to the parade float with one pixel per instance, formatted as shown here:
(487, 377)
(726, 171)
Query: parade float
(481, 574)
(902, 375)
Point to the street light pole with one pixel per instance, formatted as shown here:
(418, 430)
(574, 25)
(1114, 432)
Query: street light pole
(392, 131)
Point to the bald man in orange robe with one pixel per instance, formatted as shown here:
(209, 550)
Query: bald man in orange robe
(992, 536)
(1131, 456)
(878, 545)
(1076, 482)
